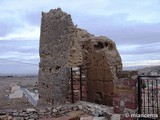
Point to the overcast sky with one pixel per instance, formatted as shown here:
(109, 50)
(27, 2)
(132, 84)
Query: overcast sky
(133, 24)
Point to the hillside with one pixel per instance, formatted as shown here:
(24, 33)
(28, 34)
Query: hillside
(154, 70)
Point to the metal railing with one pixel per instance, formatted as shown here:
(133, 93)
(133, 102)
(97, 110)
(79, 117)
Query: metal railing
(149, 95)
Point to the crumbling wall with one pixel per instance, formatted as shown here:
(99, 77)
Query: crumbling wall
(63, 45)
(101, 61)
(57, 33)
(125, 94)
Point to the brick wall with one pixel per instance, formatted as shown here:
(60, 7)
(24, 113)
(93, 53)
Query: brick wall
(125, 95)
(76, 86)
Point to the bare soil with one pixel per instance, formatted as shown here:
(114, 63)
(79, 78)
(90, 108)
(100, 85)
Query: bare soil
(29, 82)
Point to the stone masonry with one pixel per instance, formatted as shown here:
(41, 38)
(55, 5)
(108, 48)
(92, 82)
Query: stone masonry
(62, 46)
(101, 62)
(71, 111)
(57, 32)
(76, 86)
(125, 94)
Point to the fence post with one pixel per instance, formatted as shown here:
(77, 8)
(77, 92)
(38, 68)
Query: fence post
(72, 86)
(139, 95)
(80, 68)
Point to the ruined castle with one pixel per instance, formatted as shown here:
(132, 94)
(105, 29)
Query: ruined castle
(74, 64)
(78, 66)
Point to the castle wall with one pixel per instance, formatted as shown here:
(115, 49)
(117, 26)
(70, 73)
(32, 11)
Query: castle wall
(101, 62)
(64, 46)
(55, 39)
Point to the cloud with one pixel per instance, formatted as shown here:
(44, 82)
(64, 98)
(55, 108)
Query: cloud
(138, 11)
(103, 17)
(8, 67)
(140, 55)
(20, 50)
(138, 34)
(133, 25)
(117, 27)
(142, 63)
(142, 11)
(8, 26)
(140, 49)
(25, 33)
(33, 18)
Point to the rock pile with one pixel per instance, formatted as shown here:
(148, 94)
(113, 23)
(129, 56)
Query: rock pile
(80, 111)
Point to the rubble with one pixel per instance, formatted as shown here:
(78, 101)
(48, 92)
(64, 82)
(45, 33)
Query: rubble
(81, 109)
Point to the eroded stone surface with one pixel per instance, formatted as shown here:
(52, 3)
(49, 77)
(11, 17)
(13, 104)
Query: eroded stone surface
(63, 45)
(125, 95)
(57, 32)
(101, 62)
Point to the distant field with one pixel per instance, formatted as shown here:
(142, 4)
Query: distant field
(5, 81)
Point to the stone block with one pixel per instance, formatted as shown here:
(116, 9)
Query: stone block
(130, 96)
(76, 87)
(86, 118)
(115, 117)
(116, 102)
(125, 96)
(108, 87)
(30, 110)
(131, 105)
(125, 82)
(117, 109)
(124, 89)
(126, 74)
(117, 95)
(133, 82)
(99, 118)
(75, 114)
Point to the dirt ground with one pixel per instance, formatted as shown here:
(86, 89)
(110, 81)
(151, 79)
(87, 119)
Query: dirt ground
(29, 82)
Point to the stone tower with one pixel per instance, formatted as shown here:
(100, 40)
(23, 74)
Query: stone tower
(62, 46)
(57, 34)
